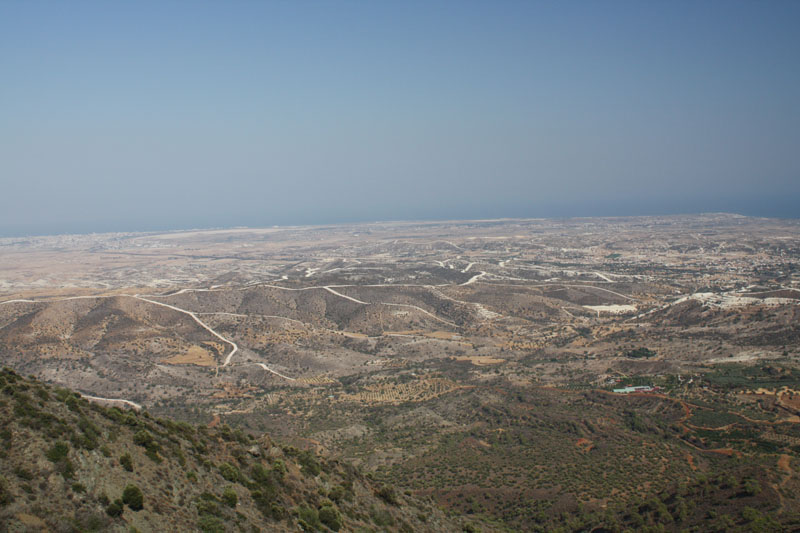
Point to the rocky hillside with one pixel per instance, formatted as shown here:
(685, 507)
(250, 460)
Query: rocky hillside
(71, 465)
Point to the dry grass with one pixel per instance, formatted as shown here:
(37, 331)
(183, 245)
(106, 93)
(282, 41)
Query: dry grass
(195, 355)
(480, 360)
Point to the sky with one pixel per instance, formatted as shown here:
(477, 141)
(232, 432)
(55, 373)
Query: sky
(139, 116)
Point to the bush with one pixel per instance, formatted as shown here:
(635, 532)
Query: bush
(381, 517)
(73, 404)
(23, 473)
(640, 353)
(752, 487)
(309, 463)
(308, 516)
(279, 467)
(387, 494)
(133, 497)
(229, 497)
(5, 495)
(58, 452)
(210, 524)
(278, 512)
(336, 493)
(65, 468)
(126, 461)
(145, 439)
(88, 521)
(207, 507)
(115, 508)
(153, 455)
(230, 472)
(330, 516)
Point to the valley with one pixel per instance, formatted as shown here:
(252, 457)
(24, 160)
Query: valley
(470, 362)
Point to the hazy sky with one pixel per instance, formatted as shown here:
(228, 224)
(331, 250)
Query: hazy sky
(176, 114)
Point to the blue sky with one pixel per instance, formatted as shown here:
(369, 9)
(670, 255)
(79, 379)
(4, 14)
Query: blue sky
(173, 114)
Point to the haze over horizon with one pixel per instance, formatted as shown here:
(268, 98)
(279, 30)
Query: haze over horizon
(169, 115)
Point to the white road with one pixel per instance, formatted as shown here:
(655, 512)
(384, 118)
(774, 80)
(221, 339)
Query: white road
(423, 311)
(554, 285)
(603, 276)
(196, 319)
(345, 296)
(112, 400)
(391, 304)
(239, 315)
(268, 369)
(474, 278)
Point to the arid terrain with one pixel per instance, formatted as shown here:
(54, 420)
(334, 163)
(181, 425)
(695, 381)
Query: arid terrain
(474, 362)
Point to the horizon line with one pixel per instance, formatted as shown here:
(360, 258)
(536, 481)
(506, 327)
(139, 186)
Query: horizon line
(395, 221)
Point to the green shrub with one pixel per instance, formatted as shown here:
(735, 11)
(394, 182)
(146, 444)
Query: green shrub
(640, 353)
(115, 508)
(65, 468)
(145, 439)
(336, 493)
(331, 517)
(5, 495)
(88, 521)
(229, 497)
(23, 473)
(752, 487)
(210, 524)
(230, 472)
(279, 467)
(133, 497)
(180, 456)
(90, 431)
(261, 475)
(277, 512)
(381, 517)
(388, 494)
(58, 452)
(207, 507)
(73, 403)
(153, 455)
(309, 516)
(115, 414)
(309, 463)
(126, 461)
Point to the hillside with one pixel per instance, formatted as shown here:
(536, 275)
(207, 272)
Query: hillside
(71, 465)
